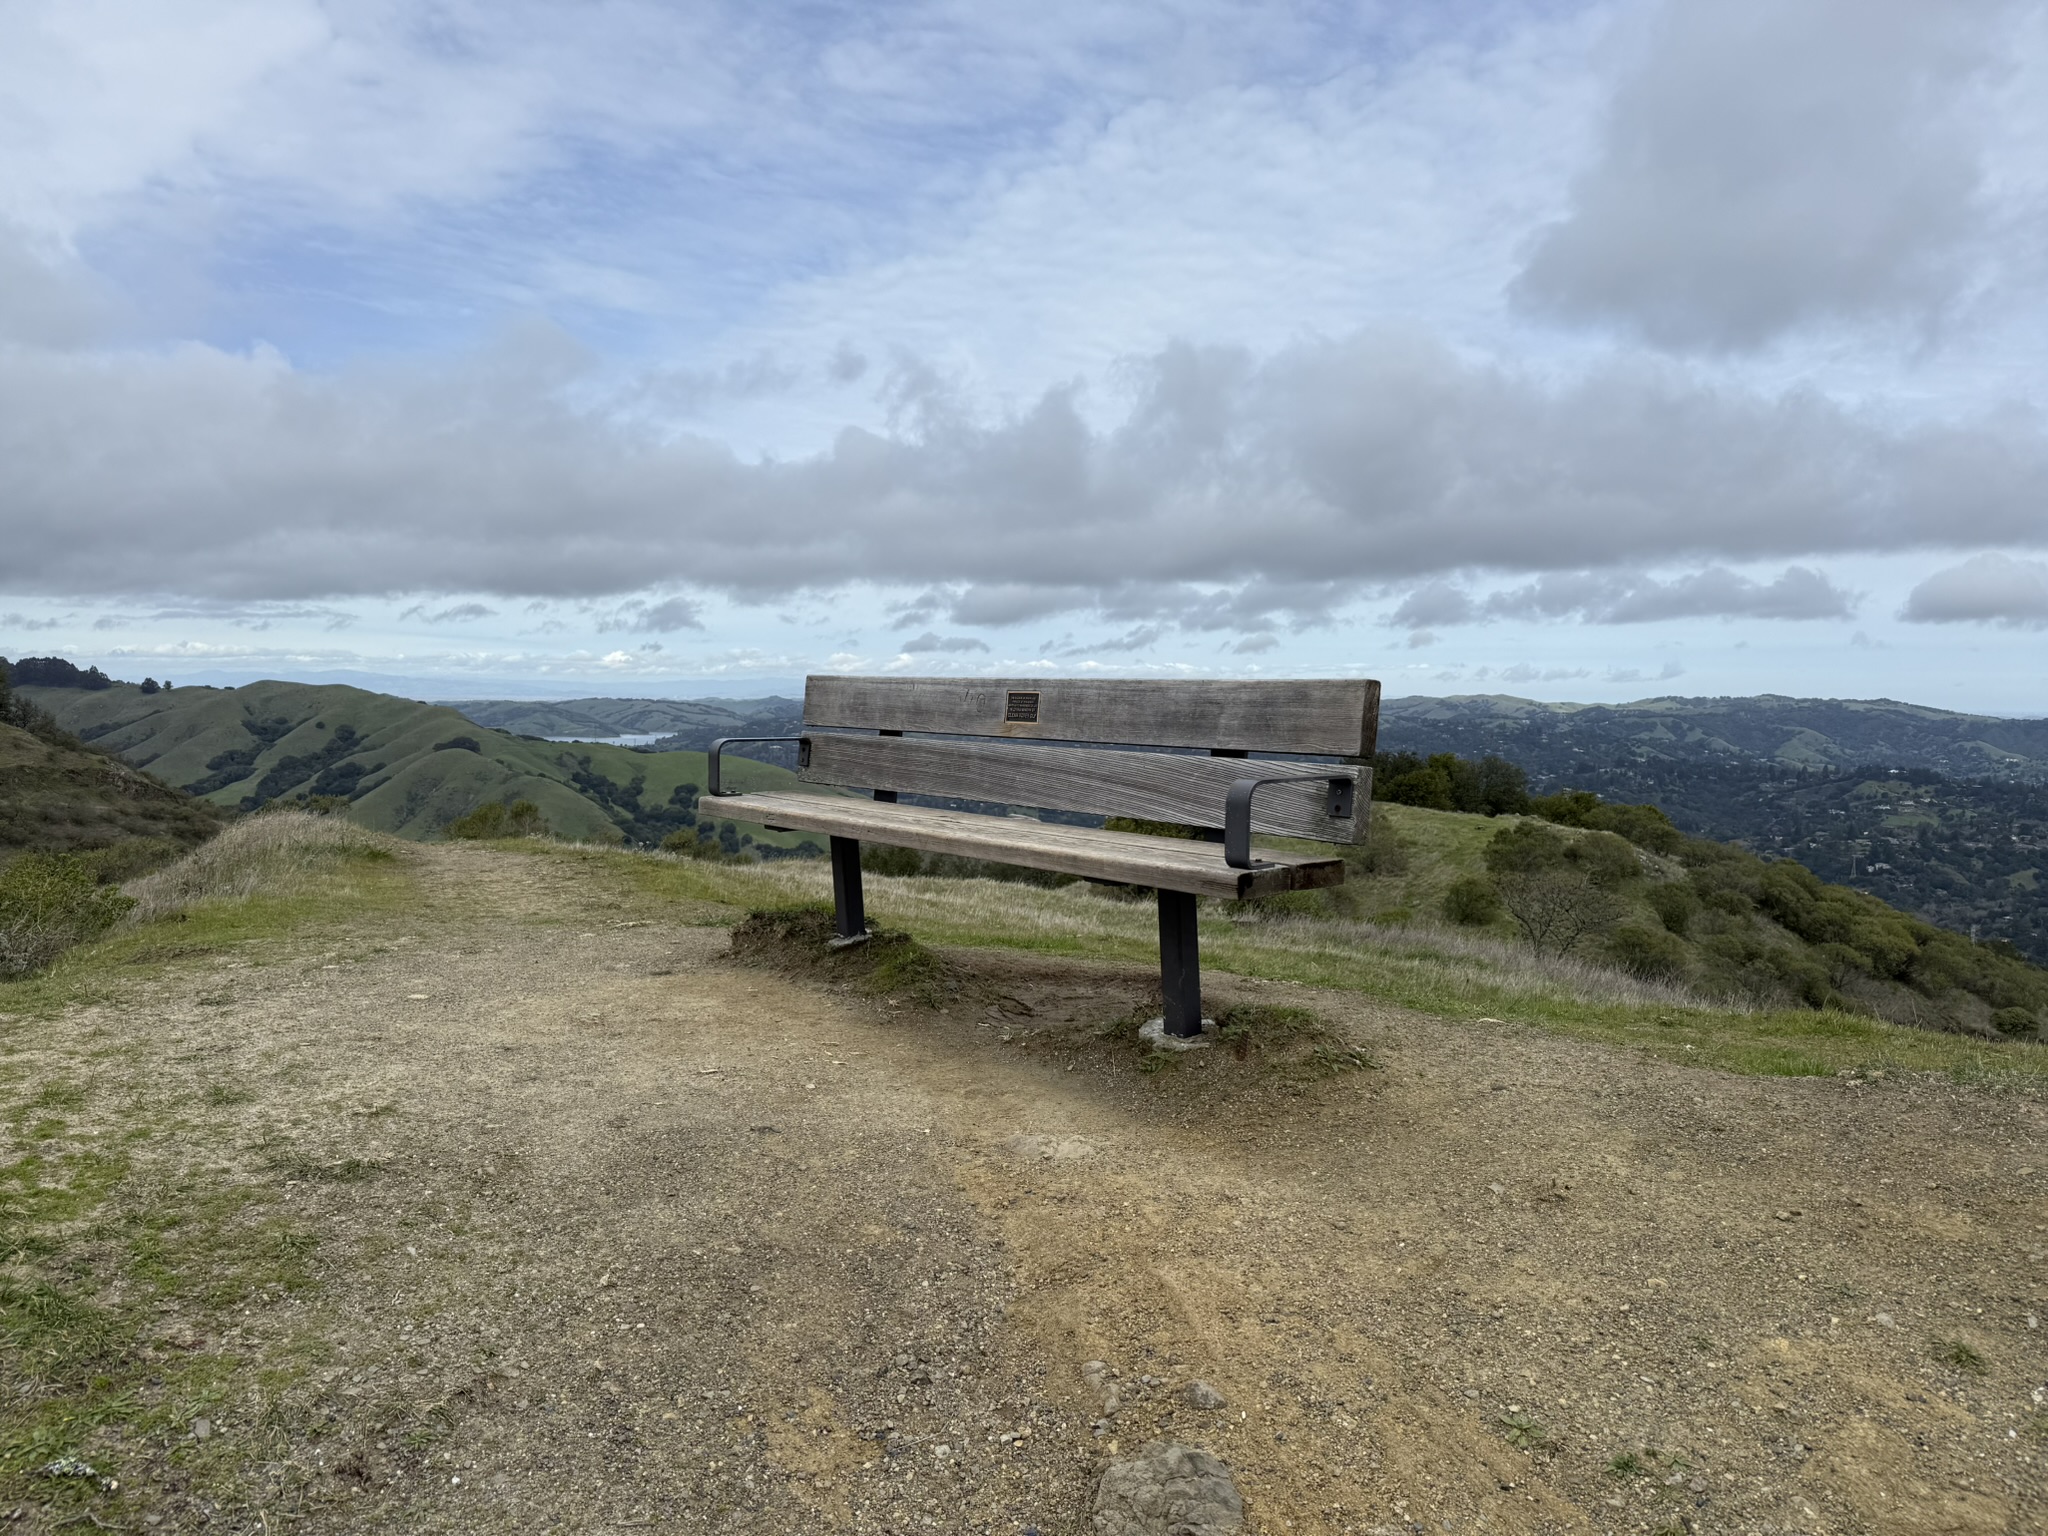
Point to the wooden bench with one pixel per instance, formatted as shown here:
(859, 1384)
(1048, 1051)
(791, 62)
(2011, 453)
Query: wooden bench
(1064, 744)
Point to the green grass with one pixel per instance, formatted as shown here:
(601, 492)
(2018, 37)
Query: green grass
(110, 1231)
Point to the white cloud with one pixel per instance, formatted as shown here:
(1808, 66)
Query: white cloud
(1773, 162)
(1986, 589)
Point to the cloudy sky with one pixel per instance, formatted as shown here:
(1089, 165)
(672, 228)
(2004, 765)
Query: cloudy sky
(1576, 351)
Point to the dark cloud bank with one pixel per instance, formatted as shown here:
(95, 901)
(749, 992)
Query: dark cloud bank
(1295, 481)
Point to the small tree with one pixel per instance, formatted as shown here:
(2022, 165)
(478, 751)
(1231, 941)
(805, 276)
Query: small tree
(1552, 896)
(1558, 908)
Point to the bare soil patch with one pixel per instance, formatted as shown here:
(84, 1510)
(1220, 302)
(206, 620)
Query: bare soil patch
(619, 1231)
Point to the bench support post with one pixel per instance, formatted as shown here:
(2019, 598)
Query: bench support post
(1180, 964)
(849, 912)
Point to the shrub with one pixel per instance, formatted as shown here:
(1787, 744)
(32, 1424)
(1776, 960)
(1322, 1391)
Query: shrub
(2017, 1022)
(1674, 902)
(1655, 954)
(1643, 825)
(522, 818)
(1472, 901)
(1524, 848)
(1608, 861)
(459, 744)
(48, 903)
(1568, 807)
(119, 862)
(692, 846)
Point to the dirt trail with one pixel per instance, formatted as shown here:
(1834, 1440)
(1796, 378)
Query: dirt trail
(658, 1241)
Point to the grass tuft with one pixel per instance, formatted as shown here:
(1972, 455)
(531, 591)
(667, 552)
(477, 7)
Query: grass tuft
(281, 854)
(889, 964)
(1293, 1042)
(1957, 1355)
(310, 1170)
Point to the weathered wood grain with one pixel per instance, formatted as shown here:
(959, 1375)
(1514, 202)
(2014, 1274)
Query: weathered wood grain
(1086, 851)
(1156, 786)
(1328, 717)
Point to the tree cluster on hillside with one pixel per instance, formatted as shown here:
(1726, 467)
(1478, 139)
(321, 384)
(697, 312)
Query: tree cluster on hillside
(21, 714)
(1628, 886)
(55, 672)
(1904, 820)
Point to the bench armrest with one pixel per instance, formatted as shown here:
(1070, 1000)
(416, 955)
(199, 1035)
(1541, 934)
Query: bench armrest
(722, 743)
(1237, 809)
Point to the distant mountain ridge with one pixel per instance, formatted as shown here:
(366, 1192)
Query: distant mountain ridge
(700, 721)
(1550, 740)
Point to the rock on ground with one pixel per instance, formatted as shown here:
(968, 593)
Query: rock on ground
(1168, 1490)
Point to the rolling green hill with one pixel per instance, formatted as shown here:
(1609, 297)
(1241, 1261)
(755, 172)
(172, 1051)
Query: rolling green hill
(404, 767)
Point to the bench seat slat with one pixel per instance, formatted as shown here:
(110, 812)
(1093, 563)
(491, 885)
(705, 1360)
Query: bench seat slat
(1155, 786)
(1322, 717)
(1132, 858)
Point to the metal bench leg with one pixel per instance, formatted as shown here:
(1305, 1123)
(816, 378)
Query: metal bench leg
(1180, 964)
(849, 912)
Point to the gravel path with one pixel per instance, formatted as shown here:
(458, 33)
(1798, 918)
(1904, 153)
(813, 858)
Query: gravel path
(657, 1241)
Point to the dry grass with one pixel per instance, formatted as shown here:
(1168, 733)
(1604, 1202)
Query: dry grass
(1500, 962)
(279, 854)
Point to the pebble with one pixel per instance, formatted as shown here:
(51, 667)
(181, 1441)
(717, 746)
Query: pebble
(1199, 1394)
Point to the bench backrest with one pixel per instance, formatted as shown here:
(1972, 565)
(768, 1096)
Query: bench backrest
(993, 728)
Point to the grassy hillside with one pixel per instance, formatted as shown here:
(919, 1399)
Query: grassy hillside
(404, 767)
(59, 798)
(1710, 918)
(1694, 922)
